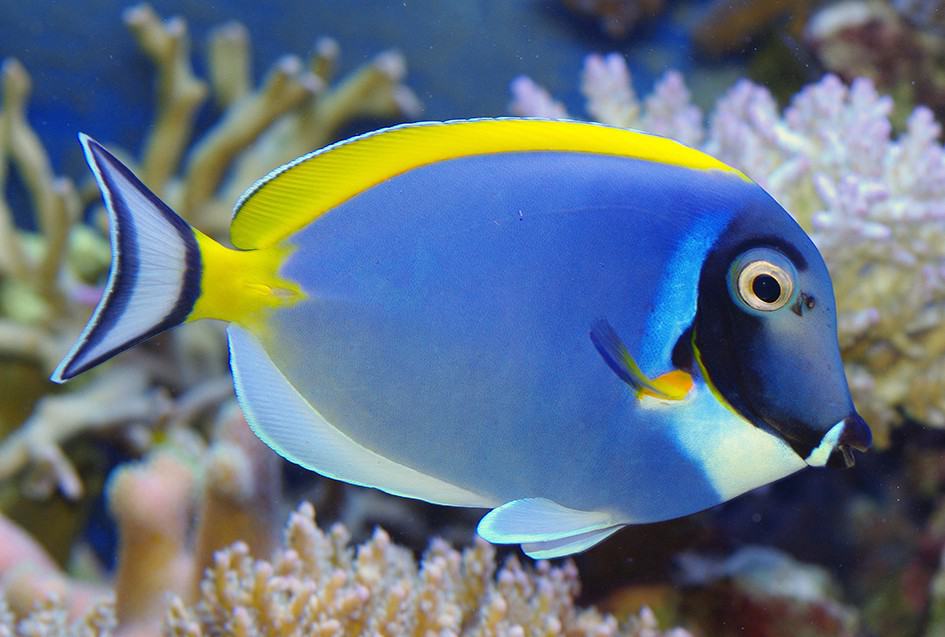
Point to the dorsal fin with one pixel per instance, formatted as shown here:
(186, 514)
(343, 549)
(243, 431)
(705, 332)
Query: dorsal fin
(296, 194)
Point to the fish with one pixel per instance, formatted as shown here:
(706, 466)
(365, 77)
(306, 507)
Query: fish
(575, 326)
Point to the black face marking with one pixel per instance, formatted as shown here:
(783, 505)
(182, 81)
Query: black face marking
(731, 341)
(682, 351)
(718, 336)
(779, 369)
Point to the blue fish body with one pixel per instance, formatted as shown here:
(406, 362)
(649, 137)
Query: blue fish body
(439, 341)
(454, 331)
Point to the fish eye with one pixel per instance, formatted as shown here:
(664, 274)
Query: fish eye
(764, 285)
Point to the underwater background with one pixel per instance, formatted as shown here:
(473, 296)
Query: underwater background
(135, 501)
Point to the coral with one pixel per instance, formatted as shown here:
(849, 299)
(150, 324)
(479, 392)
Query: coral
(315, 584)
(174, 510)
(766, 592)
(728, 26)
(50, 279)
(295, 110)
(45, 294)
(871, 202)
(27, 573)
(48, 618)
(898, 46)
(605, 83)
(617, 18)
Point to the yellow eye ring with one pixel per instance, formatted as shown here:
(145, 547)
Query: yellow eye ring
(765, 286)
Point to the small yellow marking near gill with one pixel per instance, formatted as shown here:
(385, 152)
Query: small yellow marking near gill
(674, 385)
(242, 286)
(708, 380)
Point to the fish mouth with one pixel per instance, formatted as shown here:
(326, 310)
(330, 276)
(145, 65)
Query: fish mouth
(837, 445)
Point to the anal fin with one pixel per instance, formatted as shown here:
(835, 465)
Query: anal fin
(545, 528)
(290, 425)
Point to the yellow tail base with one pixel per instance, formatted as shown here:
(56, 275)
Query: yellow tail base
(242, 286)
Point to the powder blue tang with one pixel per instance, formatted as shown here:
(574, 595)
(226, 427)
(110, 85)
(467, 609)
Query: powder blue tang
(578, 335)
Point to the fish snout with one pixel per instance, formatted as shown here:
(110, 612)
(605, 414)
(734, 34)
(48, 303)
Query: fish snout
(836, 447)
(856, 433)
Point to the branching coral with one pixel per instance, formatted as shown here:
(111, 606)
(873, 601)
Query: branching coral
(316, 584)
(874, 204)
(174, 510)
(48, 279)
(43, 299)
(763, 591)
(294, 111)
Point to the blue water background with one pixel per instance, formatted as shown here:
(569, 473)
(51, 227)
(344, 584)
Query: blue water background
(89, 75)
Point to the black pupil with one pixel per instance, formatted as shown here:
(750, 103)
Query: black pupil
(766, 288)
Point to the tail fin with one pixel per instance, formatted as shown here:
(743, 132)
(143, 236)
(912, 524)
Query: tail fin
(155, 273)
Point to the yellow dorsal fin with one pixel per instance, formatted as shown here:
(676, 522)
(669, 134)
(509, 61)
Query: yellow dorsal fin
(296, 194)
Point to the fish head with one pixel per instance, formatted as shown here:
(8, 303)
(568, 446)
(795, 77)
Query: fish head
(765, 336)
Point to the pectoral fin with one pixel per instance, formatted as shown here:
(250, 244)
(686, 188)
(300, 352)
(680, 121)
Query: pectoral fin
(673, 385)
(545, 528)
(568, 545)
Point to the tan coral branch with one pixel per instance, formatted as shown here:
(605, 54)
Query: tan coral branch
(324, 60)
(110, 401)
(229, 63)
(24, 146)
(151, 502)
(30, 342)
(241, 493)
(285, 88)
(373, 91)
(180, 92)
(64, 213)
(13, 259)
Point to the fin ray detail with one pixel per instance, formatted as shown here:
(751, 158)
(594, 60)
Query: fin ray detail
(674, 385)
(568, 545)
(297, 193)
(154, 279)
(284, 420)
(531, 520)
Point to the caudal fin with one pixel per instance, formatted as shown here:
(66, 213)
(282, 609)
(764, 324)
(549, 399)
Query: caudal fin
(154, 280)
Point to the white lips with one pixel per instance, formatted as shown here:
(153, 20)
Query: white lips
(818, 457)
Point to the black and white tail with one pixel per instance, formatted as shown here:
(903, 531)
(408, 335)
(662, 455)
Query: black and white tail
(155, 272)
